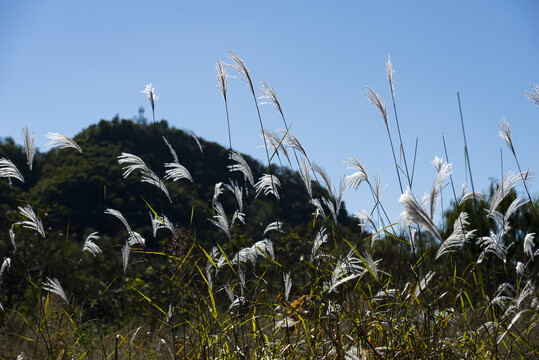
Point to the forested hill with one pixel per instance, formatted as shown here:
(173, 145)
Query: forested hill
(71, 190)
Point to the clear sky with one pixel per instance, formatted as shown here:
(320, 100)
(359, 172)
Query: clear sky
(67, 64)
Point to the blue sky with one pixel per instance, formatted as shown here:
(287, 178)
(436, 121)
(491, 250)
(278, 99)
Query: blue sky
(67, 64)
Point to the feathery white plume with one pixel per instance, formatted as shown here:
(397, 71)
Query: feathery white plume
(5, 264)
(375, 99)
(220, 220)
(53, 286)
(268, 184)
(136, 163)
(305, 173)
(241, 165)
(90, 246)
(160, 223)
(33, 221)
(533, 96)
(61, 141)
(287, 285)
(274, 226)
(321, 238)
(220, 72)
(29, 146)
(125, 256)
(12, 237)
(458, 238)
(196, 140)
(353, 181)
(9, 170)
(150, 94)
(177, 172)
(528, 245)
(414, 213)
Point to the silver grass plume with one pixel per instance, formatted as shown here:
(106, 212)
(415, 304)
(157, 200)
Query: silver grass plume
(12, 237)
(172, 151)
(443, 171)
(293, 142)
(318, 206)
(220, 71)
(9, 170)
(268, 184)
(238, 193)
(508, 182)
(365, 219)
(346, 269)
(33, 222)
(375, 99)
(505, 134)
(413, 213)
(274, 226)
(29, 146)
(135, 239)
(242, 166)
(325, 177)
(528, 245)
(136, 163)
(196, 140)
(119, 216)
(160, 223)
(305, 173)
(276, 143)
(61, 141)
(240, 67)
(287, 285)
(220, 220)
(150, 94)
(5, 265)
(492, 244)
(533, 96)
(125, 256)
(90, 245)
(353, 181)
(260, 248)
(458, 238)
(424, 283)
(390, 74)
(177, 172)
(321, 238)
(267, 93)
(53, 286)
(472, 195)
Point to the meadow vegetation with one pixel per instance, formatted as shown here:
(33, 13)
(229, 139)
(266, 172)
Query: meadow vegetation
(134, 240)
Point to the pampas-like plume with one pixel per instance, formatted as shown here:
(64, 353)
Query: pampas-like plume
(136, 163)
(505, 134)
(5, 264)
(458, 238)
(119, 215)
(443, 172)
(241, 165)
(268, 184)
(353, 181)
(220, 72)
(492, 245)
(177, 172)
(220, 220)
(287, 285)
(320, 239)
(390, 74)
(276, 142)
(267, 93)
(12, 237)
(508, 182)
(90, 246)
(528, 245)
(260, 248)
(53, 286)
(29, 146)
(472, 195)
(238, 193)
(125, 256)
(414, 213)
(160, 223)
(240, 67)
(365, 219)
(305, 173)
(274, 226)
(61, 141)
(33, 221)
(9, 170)
(196, 140)
(150, 94)
(319, 209)
(533, 96)
(375, 99)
